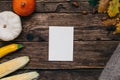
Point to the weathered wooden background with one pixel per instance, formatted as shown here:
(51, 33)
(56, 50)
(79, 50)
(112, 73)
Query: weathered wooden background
(92, 45)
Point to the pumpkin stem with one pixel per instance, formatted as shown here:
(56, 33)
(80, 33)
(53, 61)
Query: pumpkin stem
(4, 26)
(23, 4)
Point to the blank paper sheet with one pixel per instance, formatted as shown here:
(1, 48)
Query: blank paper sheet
(61, 43)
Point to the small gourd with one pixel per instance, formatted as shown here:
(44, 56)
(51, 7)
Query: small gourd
(23, 7)
(10, 26)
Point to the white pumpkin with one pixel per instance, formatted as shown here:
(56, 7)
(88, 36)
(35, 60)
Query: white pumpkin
(10, 26)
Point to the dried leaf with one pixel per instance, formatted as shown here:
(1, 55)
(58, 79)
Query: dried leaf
(75, 3)
(118, 25)
(109, 22)
(117, 28)
(103, 5)
(93, 2)
(113, 9)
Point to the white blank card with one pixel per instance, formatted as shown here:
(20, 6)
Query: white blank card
(61, 43)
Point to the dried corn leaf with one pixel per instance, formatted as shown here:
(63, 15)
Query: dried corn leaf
(103, 5)
(109, 22)
(113, 9)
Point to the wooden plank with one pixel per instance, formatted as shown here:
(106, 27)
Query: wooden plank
(51, 6)
(87, 54)
(62, 19)
(61, 0)
(80, 75)
(71, 75)
(91, 74)
(84, 34)
(67, 7)
(87, 27)
(54, 0)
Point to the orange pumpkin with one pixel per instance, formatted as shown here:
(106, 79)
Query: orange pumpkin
(23, 7)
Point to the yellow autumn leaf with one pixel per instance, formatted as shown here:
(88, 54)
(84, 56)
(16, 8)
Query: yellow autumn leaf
(117, 28)
(113, 8)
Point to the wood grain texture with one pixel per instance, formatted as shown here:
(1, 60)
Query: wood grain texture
(44, 7)
(91, 74)
(92, 45)
(53, 0)
(87, 54)
(70, 75)
(87, 27)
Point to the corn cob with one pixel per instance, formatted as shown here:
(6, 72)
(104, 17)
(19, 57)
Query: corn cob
(13, 65)
(24, 76)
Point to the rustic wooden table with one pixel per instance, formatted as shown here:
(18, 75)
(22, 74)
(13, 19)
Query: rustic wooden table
(92, 46)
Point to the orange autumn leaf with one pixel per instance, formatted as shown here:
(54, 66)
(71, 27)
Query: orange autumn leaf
(109, 22)
(103, 5)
